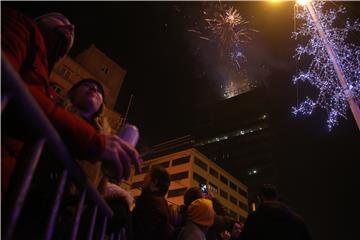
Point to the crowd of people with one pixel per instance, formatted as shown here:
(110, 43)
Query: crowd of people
(33, 47)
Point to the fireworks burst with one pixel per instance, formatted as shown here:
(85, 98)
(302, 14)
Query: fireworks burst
(225, 27)
(230, 30)
(321, 72)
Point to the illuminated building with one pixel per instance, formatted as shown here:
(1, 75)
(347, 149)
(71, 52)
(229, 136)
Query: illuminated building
(92, 63)
(189, 168)
(236, 134)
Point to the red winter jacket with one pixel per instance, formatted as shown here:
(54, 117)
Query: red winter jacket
(23, 45)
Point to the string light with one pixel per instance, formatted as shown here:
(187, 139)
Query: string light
(321, 72)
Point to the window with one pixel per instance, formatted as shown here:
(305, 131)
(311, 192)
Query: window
(179, 176)
(180, 161)
(243, 206)
(137, 184)
(105, 69)
(213, 187)
(199, 178)
(223, 194)
(65, 72)
(163, 164)
(201, 164)
(223, 179)
(214, 173)
(176, 192)
(242, 192)
(233, 186)
(233, 199)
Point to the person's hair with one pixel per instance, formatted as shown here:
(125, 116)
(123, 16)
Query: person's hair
(191, 195)
(268, 192)
(162, 179)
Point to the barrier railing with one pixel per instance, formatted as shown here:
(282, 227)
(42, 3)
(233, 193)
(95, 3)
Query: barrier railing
(14, 90)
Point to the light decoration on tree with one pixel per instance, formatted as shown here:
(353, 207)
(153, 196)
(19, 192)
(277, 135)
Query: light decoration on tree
(335, 66)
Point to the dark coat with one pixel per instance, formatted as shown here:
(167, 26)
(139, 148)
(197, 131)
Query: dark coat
(151, 218)
(274, 220)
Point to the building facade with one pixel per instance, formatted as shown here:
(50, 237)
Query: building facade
(237, 135)
(91, 63)
(190, 168)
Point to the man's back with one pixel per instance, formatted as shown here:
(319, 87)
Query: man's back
(274, 220)
(151, 217)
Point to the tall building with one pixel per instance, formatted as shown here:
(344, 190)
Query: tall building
(92, 63)
(190, 168)
(236, 134)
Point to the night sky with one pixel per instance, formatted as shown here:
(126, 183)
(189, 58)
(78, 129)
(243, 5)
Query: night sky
(171, 71)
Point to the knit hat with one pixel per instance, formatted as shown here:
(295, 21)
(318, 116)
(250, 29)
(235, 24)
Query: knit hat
(201, 212)
(59, 23)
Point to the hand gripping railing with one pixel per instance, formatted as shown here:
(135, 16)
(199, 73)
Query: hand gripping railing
(14, 89)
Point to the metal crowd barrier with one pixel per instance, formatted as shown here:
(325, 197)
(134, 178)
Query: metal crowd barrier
(14, 89)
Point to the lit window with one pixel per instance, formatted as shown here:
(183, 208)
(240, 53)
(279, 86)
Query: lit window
(213, 187)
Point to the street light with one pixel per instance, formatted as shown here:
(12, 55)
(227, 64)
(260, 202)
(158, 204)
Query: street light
(303, 2)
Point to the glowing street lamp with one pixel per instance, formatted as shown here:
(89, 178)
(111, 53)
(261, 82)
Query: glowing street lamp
(303, 2)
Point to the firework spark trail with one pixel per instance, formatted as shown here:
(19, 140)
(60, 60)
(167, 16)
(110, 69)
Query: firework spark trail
(321, 72)
(225, 27)
(230, 30)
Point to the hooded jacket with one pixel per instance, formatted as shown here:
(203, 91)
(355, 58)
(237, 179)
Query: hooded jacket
(24, 46)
